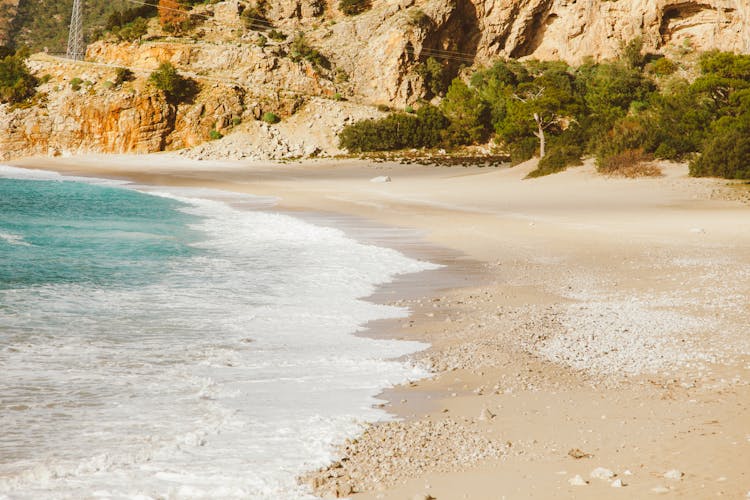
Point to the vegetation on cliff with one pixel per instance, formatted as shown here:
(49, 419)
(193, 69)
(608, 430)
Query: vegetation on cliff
(622, 112)
(16, 81)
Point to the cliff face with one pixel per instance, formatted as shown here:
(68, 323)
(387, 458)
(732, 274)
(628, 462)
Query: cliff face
(97, 118)
(383, 44)
(373, 59)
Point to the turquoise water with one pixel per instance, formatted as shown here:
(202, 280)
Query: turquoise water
(70, 232)
(174, 346)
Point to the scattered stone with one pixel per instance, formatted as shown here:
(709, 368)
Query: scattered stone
(673, 474)
(660, 489)
(486, 415)
(381, 179)
(617, 483)
(577, 480)
(602, 473)
(627, 473)
(578, 454)
(423, 496)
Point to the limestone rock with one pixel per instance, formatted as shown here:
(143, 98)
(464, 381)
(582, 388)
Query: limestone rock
(577, 480)
(602, 473)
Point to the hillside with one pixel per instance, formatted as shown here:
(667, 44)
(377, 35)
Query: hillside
(276, 57)
(43, 24)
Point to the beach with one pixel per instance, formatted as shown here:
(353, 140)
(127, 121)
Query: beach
(592, 341)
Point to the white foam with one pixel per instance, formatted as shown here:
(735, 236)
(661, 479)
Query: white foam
(156, 392)
(9, 172)
(14, 239)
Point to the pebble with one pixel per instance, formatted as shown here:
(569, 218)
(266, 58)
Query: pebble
(486, 414)
(673, 474)
(660, 489)
(381, 179)
(617, 483)
(423, 496)
(602, 473)
(627, 473)
(577, 480)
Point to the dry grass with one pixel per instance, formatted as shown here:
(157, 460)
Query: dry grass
(631, 163)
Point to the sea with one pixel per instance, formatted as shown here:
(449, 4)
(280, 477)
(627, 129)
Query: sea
(166, 343)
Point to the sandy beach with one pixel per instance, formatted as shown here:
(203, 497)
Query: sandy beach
(592, 340)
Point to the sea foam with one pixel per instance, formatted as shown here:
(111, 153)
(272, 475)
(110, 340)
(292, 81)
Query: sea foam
(229, 375)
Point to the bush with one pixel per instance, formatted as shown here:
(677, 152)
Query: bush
(300, 49)
(123, 75)
(132, 31)
(435, 76)
(76, 83)
(215, 135)
(271, 118)
(662, 67)
(727, 153)
(255, 17)
(396, 131)
(118, 19)
(277, 35)
(523, 149)
(16, 81)
(630, 163)
(176, 88)
(558, 159)
(354, 7)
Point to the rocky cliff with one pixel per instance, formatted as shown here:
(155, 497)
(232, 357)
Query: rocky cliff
(369, 59)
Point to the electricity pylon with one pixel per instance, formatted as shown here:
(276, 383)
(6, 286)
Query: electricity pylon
(76, 48)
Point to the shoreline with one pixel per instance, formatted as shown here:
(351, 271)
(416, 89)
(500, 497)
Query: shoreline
(569, 343)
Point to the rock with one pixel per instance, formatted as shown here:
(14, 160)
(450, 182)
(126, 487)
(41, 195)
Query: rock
(627, 473)
(660, 489)
(602, 473)
(423, 496)
(486, 415)
(578, 454)
(343, 489)
(381, 179)
(617, 483)
(577, 480)
(673, 474)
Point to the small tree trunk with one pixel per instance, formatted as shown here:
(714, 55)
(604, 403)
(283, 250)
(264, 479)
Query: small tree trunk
(540, 135)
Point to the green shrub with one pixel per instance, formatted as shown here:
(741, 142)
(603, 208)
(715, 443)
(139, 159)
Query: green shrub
(300, 49)
(523, 149)
(236, 121)
(662, 67)
(338, 97)
(727, 153)
(277, 35)
(255, 18)
(271, 118)
(132, 31)
(16, 81)
(435, 76)
(176, 87)
(123, 75)
(396, 131)
(215, 135)
(76, 83)
(354, 7)
(558, 159)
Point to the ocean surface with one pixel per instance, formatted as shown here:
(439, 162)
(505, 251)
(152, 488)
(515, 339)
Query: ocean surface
(169, 345)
